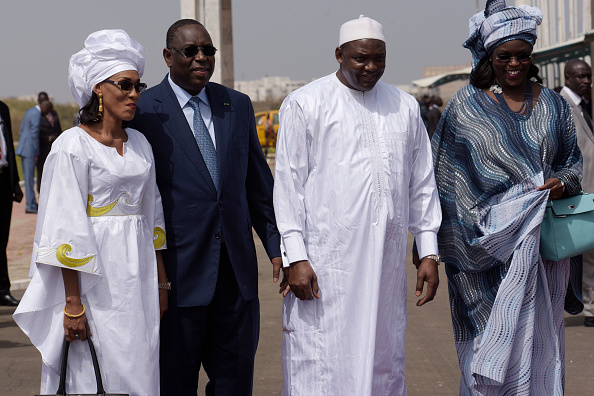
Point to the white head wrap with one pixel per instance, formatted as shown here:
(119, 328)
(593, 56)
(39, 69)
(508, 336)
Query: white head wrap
(106, 53)
(361, 28)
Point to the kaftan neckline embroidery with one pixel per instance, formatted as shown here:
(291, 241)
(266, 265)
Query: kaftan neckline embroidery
(370, 127)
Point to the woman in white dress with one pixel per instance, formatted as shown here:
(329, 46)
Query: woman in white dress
(96, 268)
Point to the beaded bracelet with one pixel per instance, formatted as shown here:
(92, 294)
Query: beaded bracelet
(75, 316)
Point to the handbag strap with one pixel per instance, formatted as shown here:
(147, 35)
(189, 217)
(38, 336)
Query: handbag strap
(62, 387)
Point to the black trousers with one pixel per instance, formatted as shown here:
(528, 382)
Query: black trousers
(5, 216)
(222, 336)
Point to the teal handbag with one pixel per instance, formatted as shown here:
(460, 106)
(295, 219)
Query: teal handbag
(567, 229)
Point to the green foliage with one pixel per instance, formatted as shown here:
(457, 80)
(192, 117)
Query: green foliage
(66, 113)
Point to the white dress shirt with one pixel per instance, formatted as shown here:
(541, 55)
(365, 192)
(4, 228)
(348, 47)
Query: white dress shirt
(184, 97)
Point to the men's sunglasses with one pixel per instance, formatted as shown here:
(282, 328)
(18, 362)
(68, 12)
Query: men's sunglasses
(521, 58)
(127, 86)
(192, 50)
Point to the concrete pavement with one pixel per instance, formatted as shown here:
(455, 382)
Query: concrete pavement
(431, 363)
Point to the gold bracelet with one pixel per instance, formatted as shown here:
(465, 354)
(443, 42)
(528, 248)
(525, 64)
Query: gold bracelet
(74, 316)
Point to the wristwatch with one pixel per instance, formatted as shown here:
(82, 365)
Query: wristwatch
(165, 286)
(433, 257)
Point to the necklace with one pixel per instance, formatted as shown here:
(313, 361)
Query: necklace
(526, 108)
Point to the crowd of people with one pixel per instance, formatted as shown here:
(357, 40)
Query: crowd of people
(144, 230)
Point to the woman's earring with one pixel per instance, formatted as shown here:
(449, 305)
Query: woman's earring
(100, 95)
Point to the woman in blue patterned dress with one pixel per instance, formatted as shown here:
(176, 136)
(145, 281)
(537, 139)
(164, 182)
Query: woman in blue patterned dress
(503, 147)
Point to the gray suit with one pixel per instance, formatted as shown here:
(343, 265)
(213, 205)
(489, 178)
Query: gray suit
(28, 149)
(585, 139)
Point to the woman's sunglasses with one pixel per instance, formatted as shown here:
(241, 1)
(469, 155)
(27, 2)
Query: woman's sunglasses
(192, 50)
(521, 58)
(127, 86)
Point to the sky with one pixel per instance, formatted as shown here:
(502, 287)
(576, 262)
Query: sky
(294, 39)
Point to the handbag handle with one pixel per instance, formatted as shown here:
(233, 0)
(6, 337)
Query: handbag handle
(62, 387)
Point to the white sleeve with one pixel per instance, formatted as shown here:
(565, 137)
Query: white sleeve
(291, 172)
(424, 210)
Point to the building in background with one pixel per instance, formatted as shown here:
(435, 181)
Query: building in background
(268, 89)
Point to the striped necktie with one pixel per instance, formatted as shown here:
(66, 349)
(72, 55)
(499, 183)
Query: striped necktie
(205, 144)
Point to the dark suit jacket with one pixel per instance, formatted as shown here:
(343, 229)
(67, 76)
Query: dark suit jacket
(47, 130)
(12, 166)
(195, 215)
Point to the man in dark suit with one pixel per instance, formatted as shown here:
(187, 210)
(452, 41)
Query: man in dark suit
(49, 130)
(215, 185)
(9, 191)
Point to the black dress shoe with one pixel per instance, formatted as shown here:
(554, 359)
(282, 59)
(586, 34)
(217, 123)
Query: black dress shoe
(8, 300)
(589, 321)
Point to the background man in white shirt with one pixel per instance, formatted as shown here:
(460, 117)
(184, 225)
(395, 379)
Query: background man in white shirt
(578, 82)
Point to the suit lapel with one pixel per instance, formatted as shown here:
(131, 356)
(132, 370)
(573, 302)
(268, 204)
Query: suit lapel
(578, 118)
(583, 124)
(174, 121)
(221, 108)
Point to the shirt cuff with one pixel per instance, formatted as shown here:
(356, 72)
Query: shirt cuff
(426, 243)
(292, 249)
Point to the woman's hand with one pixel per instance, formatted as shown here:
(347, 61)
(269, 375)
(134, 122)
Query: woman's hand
(76, 328)
(556, 187)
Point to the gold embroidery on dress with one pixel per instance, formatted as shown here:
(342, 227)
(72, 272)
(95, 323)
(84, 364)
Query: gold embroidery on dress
(159, 237)
(61, 255)
(100, 211)
(120, 207)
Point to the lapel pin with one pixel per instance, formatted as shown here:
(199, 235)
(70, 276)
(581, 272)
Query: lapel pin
(225, 104)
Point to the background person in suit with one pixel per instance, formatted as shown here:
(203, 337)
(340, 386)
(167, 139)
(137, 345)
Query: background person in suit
(578, 83)
(215, 185)
(49, 130)
(9, 191)
(28, 150)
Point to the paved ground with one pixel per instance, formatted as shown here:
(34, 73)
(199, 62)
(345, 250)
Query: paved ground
(431, 367)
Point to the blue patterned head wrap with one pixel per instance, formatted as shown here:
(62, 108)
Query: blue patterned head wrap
(498, 24)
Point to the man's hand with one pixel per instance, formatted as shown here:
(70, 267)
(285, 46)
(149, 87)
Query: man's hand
(277, 264)
(284, 285)
(302, 280)
(17, 193)
(555, 186)
(427, 272)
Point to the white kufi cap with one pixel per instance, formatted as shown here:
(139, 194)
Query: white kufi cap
(106, 53)
(362, 28)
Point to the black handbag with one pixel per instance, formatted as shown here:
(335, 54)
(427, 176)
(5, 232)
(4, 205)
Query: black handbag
(62, 387)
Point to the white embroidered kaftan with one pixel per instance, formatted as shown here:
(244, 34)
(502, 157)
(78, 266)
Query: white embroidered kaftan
(98, 212)
(353, 174)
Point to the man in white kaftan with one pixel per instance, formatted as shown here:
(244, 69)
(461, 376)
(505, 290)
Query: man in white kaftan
(354, 173)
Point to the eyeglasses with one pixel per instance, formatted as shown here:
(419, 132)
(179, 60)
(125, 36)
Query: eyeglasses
(127, 86)
(192, 50)
(521, 58)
